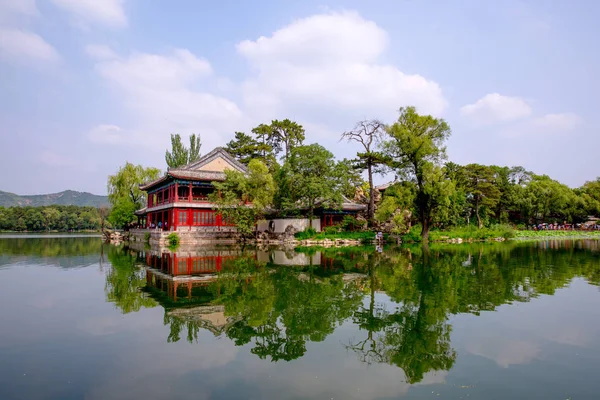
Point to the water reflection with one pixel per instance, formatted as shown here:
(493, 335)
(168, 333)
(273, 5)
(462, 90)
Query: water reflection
(400, 301)
(60, 250)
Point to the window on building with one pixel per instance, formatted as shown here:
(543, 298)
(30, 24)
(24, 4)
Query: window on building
(183, 217)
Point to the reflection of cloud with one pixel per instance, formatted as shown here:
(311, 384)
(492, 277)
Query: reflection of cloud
(43, 302)
(98, 326)
(504, 351)
(154, 370)
(570, 335)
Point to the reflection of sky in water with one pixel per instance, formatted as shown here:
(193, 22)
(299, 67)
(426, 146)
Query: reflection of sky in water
(60, 338)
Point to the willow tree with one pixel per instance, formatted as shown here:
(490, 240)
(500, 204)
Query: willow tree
(416, 150)
(124, 193)
(368, 133)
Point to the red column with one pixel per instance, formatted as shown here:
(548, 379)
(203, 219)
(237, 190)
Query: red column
(190, 193)
(176, 192)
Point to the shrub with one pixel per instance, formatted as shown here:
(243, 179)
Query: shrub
(147, 237)
(414, 235)
(350, 223)
(173, 240)
(306, 233)
(332, 230)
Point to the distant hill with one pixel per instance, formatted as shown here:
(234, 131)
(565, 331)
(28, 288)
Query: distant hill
(66, 198)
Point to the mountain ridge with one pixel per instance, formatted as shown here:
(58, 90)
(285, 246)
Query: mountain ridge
(64, 198)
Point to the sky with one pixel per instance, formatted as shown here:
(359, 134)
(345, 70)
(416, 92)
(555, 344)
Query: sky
(86, 85)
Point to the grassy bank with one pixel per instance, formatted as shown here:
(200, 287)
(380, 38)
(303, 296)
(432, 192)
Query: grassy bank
(556, 234)
(466, 233)
(312, 235)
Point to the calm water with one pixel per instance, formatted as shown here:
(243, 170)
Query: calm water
(498, 321)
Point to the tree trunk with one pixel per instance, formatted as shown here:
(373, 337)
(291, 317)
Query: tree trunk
(479, 224)
(371, 209)
(425, 230)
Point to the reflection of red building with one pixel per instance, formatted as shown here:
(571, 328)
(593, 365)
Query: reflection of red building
(185, 264)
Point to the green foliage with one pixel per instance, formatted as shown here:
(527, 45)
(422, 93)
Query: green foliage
(350, 223)
(334, 233)
(125, 184)
(122, 213)
(245, 148)
(548, 200)
(181, 155)
(173, 240)
(284, 136)
(306, 233)
(124, 193)
(243, 198)
(481, 189)
(125, 280)
(147, 237)
(416, 149)
(529, 234)
(312, 178)
(50, 218)
(332, 230)
(466, 233)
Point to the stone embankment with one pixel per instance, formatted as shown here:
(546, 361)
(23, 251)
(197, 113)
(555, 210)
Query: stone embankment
(309, 242)
(460, 240)
(114, 237)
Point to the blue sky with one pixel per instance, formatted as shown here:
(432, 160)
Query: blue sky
(88, 84)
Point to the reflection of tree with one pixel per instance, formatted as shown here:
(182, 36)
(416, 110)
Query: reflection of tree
(302, 308)
(51, 246)
(124, 281)
(416, 336)
(277, 311)
(430, 285)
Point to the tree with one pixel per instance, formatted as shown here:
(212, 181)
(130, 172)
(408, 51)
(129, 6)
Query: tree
(315, 176)
(481, 186)
(368, 133)
(245, 148)
(590, 193)
(122, 213)
(124, 193)
(243, 198)
(181, 155)
(545, 198)
(416, 149)
(285, 135)
(397, 206)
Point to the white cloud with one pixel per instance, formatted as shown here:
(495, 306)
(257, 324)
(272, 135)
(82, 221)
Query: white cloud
(11, 8)
(328, 65)
(495, 108)
(103, 12)
(562, 122)
(100, 52)
(16, 44)
(107, 134)
(164, 95)
(53, 159)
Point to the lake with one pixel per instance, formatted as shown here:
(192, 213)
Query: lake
(81, 319)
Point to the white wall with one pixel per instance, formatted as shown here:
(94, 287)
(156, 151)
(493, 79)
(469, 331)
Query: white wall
(280, 225)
